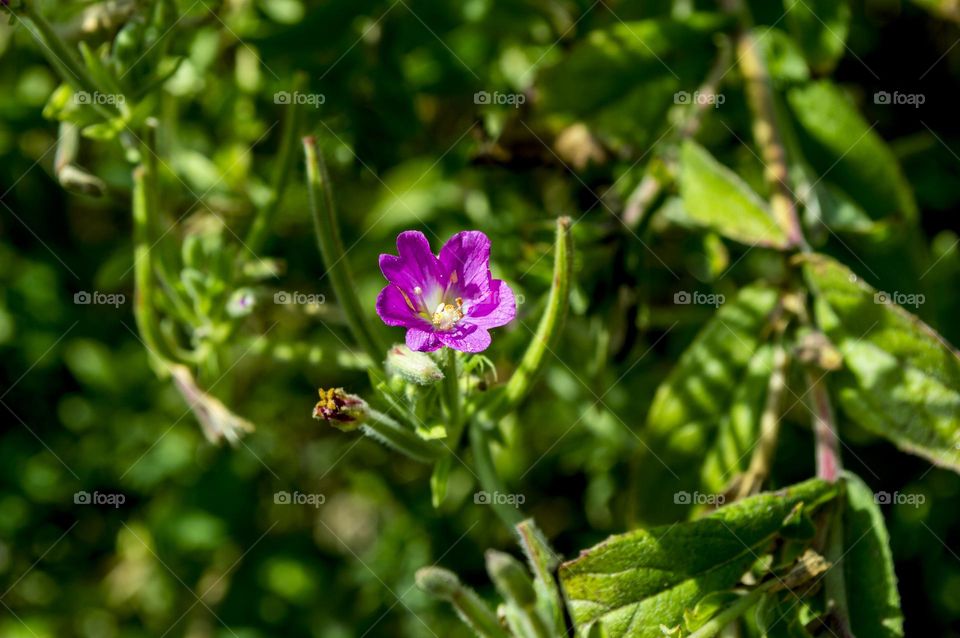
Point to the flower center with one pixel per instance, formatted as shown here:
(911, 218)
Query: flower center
(447, 316)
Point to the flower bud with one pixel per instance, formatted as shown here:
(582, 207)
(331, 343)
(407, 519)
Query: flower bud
(341, 410)
(438, 582)
(510, 578)
(415, 367)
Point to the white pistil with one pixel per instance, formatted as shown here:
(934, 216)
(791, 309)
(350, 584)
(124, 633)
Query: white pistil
(447, 316)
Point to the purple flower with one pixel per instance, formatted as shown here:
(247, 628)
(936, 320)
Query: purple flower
(450, 300)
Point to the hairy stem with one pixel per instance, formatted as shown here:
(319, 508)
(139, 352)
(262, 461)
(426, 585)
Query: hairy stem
(384, 429)
(825, 431)
(766, 131)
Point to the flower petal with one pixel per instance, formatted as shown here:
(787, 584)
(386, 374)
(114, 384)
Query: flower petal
(468, 255)
(497, 309)
(469, 338)
(394, 310)
(422, 340)
(415, 265)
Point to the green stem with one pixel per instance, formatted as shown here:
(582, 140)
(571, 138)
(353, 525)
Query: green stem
(144, 201)
(334, 255)
(286, 156)
(548, 330)
(451, 390)
(383, 428)
(489, 479)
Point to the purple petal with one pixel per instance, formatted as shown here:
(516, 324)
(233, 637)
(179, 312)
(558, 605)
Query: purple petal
(415, 266)
(468, 255)
(496, 309)
(422, 340)
(395, 311)
(469, 338)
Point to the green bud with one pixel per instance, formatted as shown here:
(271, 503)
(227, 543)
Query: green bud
(438, 582)
(510, 578)
(415, 367)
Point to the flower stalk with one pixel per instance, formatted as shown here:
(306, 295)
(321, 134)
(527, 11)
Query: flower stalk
(323, 209)
(489, 478)
(548, 330)
(444, 584)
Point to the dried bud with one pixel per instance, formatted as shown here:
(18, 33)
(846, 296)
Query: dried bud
(341, 410)
(415, 367)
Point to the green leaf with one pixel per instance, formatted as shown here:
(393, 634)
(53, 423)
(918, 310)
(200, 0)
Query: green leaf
(632, 583)
(840, 144)
(902, 379)
(820, 27)
(738, 431)
(717, 198)
(873, 600)
(697, 394)
(785, 60)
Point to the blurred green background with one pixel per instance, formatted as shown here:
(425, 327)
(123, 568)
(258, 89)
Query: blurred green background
(199, 547)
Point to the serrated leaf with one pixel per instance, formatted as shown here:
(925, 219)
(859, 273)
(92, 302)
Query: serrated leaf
(839, 143)
(697, 393)
(820, 27)
(871, 583)
(717, 198)
(633, 583)
(902, 379)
